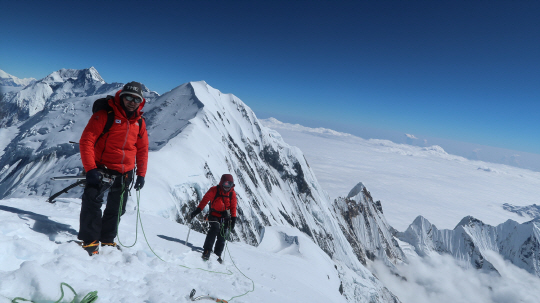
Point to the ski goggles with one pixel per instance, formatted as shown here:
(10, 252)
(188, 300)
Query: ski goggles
(227, 185)
(133, 99)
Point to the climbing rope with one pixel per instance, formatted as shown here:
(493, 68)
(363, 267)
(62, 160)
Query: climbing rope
(222, 231)
(89, 298)
(230, 256)
(120, 213)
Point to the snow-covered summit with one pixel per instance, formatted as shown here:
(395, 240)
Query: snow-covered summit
(63, 75)
(367, 229)
(59, 85)
(358, 188)
(8, 80)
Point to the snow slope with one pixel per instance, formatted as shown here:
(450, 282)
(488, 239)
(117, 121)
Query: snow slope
(36, 256)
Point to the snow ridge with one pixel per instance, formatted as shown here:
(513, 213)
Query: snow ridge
(471, 239)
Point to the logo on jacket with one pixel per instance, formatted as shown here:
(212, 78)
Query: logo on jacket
(118, 121)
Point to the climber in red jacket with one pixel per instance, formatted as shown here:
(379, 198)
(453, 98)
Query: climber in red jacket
(114, 152)
(222, 215)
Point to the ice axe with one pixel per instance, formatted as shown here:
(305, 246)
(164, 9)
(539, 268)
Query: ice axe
(81, 180)
(192, 294)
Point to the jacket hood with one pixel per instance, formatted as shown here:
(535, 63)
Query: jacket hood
(118, 106)
(225, 178)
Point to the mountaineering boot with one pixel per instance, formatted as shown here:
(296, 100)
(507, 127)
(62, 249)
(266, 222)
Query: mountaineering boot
(220, 260)
(91, 247)
(112, 244)
(206, 255)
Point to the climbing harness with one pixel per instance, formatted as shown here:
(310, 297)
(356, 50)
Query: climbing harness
(224, 214)
(89, 298)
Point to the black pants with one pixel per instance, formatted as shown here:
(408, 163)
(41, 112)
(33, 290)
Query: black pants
(216, 231)
(94, 226)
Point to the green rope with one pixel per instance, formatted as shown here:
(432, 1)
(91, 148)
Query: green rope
(139, 219)
(230, 256)
(89, 298)
(139, 222)
(120, 213)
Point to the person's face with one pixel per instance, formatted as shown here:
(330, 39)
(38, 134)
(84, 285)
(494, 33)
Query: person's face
(131, 102)
(227, 185)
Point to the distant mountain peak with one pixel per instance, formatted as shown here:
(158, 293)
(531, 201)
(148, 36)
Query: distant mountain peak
(472, 238)
(19, 105)
(421, 220)
(63, 75)
(12, 81)
(469, 221)
(358, 188)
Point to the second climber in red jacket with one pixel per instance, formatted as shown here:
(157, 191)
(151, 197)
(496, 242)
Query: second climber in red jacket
(222, 215)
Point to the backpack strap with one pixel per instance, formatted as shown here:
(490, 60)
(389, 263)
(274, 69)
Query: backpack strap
(215, 197)
(110, 116)
(108, 124)
(141, 119)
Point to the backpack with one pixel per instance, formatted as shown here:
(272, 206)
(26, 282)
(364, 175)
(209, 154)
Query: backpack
(223, 213)
(103, 104)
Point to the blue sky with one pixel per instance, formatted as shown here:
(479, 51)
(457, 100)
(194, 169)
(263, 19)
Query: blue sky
(458, 70)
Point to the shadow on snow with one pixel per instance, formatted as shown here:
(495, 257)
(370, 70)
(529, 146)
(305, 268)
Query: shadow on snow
(42, 223)
(193, 248)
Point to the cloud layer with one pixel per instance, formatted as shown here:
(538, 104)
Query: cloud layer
(440, 278)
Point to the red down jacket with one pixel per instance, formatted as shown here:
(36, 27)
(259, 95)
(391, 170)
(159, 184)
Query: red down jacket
(222, 201)
(121, 146)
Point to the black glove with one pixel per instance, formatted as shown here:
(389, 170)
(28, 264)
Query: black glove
(194, 213)
(139, 183)
(93, 177)
(233, 222)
